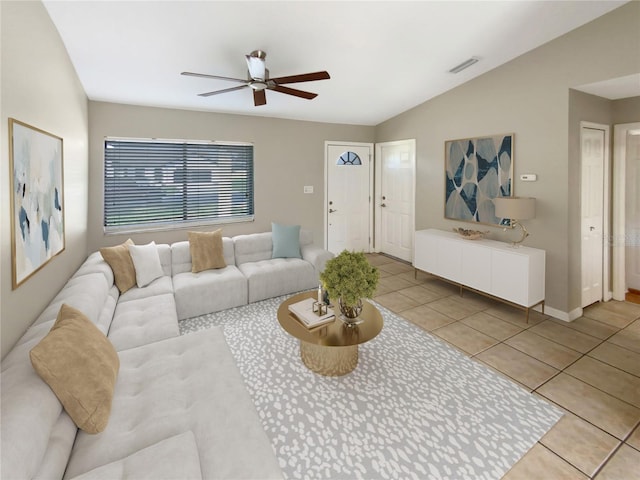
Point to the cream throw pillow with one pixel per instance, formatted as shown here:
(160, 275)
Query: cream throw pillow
(206, 250)
(119, 259)
(81, 366)
(147, 263)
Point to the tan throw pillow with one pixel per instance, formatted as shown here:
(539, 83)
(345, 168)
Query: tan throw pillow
(206, 250)
(119, 259)
(80, 365)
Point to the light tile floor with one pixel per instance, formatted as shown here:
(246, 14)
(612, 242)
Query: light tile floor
(590, 368)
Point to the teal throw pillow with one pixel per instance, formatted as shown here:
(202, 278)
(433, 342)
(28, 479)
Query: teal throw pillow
(286, 241)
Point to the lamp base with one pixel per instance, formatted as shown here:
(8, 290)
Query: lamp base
(524, 234)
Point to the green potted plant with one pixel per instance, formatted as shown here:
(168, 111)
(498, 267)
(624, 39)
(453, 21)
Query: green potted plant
(348, 278)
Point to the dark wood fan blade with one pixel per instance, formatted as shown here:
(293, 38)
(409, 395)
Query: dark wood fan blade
(208, 94)
(305, 77)
(217, 77)
(259, 98)
(294, 92)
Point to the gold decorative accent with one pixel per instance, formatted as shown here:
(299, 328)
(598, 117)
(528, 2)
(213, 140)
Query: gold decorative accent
(332, 349)
(329, 361)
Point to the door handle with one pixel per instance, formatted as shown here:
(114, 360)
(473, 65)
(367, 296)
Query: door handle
(383, 205)
(331, 210)
(591, 229)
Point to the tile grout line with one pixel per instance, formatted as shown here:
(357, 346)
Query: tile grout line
(563, 370)
(564, 460)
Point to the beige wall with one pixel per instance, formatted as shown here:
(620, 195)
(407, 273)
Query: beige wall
(40, 87)
(626, 110)
(528, 96)
(287, 156)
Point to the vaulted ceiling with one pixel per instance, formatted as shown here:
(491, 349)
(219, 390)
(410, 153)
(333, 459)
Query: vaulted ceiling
(383, 57)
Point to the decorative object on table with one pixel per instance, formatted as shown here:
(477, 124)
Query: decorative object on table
(516, 209)
(37, 191)
(477, 171)
(349, 277)
(320, 308)
(470, 234)
(312, 314)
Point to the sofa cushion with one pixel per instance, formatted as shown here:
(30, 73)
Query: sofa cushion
(119, 259)
(206, 250)
(278, 276)
(209, 291)
(95, 263)
(80, 365)
(142, 321)
(173, 458)
(56, 456)
(29, 412)
(253, 248)
(87, 293)
(286, 241)
(159, 286)
(147, 263)
(169, 387)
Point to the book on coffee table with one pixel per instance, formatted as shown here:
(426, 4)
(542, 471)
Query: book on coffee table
(303, 311)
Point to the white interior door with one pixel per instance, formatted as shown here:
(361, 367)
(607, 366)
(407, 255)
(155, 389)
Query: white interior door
(395, 198)
(592, 196)
(632, 210)
(348, 194)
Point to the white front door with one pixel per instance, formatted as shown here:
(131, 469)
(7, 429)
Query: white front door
(592, 196)
(348, 194)
(632, 210)
(395, 180)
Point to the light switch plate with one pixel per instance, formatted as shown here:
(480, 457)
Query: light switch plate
(308, 189)
(528, 177)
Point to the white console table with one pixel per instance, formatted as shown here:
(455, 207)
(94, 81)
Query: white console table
(514, 275)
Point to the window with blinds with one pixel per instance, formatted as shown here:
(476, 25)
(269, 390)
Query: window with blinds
(156, 184)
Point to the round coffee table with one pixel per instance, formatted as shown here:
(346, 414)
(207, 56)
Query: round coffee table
(331, 349)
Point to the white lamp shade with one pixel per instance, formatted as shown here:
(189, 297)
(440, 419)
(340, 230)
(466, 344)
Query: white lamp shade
(515, 208)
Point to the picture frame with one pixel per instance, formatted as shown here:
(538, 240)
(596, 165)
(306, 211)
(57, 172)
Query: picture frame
(37, 199)
(477, 170)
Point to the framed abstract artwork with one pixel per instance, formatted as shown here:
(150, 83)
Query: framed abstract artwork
(37, 204)
(477, 170)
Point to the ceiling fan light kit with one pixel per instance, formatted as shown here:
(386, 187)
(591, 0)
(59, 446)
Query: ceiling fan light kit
(259, 80)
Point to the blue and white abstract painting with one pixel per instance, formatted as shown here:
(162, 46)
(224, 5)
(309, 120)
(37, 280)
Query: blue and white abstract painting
(477, 170)
(37, 199)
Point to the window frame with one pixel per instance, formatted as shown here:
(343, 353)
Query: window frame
(173, 225)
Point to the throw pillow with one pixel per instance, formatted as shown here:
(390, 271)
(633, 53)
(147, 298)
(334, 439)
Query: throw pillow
(147, 263)
(80, 365)
(206, 250)
(286, 241)
(119, 259)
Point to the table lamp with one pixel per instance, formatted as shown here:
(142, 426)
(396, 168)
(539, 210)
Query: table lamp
(516, 209)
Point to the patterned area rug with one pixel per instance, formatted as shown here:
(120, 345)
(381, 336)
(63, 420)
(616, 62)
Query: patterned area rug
(414, 407)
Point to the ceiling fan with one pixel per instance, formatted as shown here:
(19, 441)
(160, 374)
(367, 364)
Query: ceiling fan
(259, 80)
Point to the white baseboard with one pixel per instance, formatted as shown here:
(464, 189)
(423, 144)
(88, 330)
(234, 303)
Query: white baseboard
(559, 314)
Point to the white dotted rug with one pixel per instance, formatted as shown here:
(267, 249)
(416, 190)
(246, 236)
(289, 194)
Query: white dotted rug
(414, 407)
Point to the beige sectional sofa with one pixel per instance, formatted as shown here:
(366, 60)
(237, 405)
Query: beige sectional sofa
(180, 408)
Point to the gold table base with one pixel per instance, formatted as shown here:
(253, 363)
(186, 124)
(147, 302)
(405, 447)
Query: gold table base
(329, 361)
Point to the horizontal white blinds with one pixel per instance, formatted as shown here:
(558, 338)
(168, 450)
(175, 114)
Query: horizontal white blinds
(153, 183)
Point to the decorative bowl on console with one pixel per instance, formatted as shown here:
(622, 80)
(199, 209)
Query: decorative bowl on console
(470, 234)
